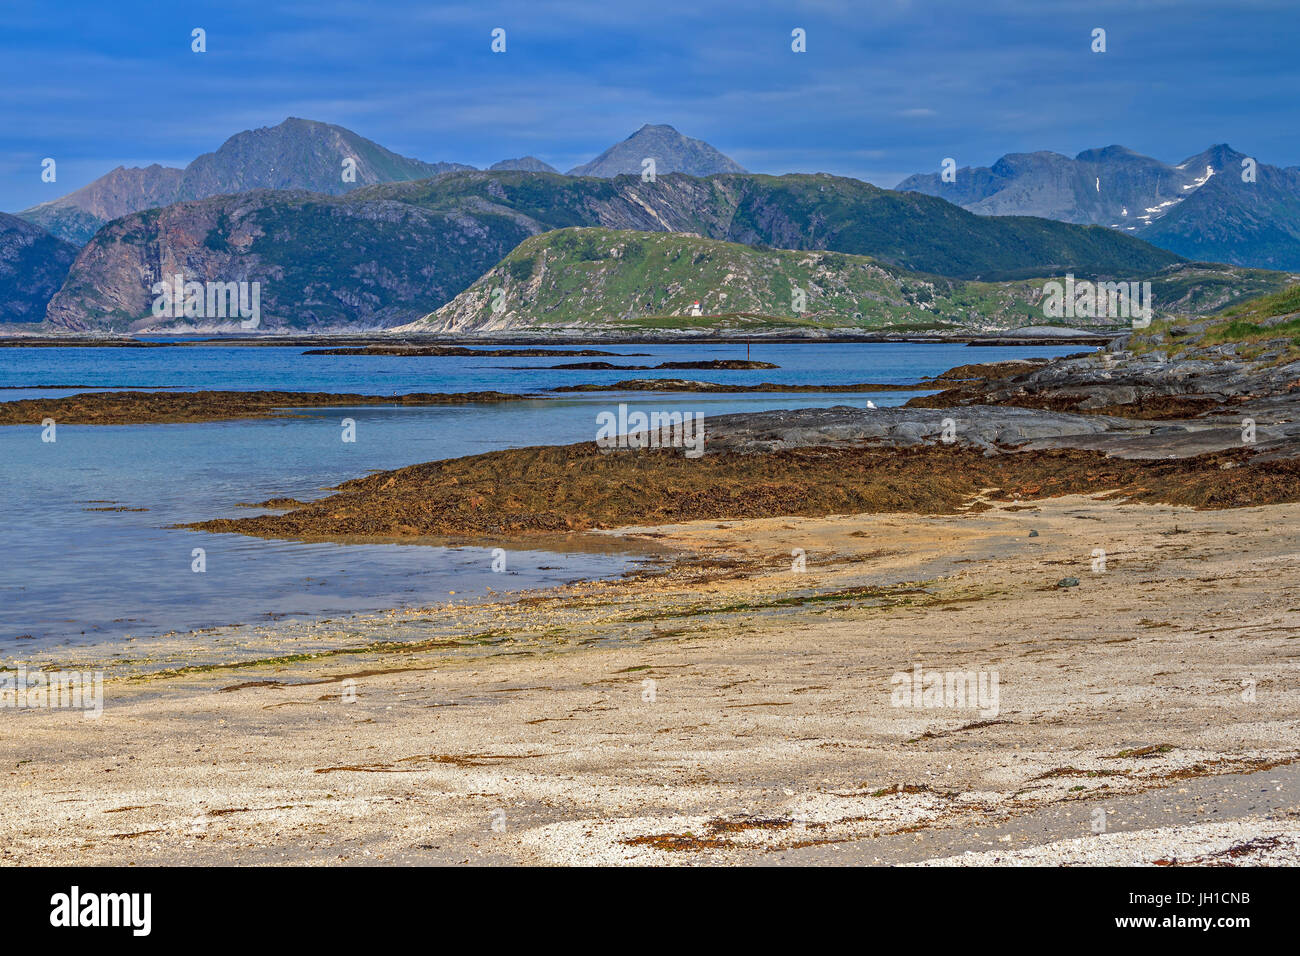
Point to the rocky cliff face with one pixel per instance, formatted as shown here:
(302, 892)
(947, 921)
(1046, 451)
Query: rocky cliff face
(33, 264)
(320, 262)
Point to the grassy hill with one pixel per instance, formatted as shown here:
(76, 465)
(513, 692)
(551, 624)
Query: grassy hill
(596, 278)
(1263, 329)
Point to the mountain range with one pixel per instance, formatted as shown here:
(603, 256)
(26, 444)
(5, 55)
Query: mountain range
(296, 154)
(1218, 206)
(341, 233)
(306, 154)
(386, 254)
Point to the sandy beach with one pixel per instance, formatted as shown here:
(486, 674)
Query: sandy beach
(725, 708)
(769, 436)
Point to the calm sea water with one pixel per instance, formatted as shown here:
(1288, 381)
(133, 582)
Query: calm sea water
(87, 554)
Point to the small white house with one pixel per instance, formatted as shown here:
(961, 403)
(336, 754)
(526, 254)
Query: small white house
(695, 309)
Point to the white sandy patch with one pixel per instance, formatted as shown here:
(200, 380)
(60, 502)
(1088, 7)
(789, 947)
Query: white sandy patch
(1255, 841)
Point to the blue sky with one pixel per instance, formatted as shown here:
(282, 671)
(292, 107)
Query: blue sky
(886, 87)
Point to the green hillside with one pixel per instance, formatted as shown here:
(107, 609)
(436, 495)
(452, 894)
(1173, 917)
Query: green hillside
(816, 211)
(586, 278)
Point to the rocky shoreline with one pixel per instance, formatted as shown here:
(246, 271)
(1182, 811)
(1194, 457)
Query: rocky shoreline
(133, 406)
(1210, 425)
(778, 465)
(166, 407)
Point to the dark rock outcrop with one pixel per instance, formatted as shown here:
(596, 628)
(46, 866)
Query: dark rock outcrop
(33, 265)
